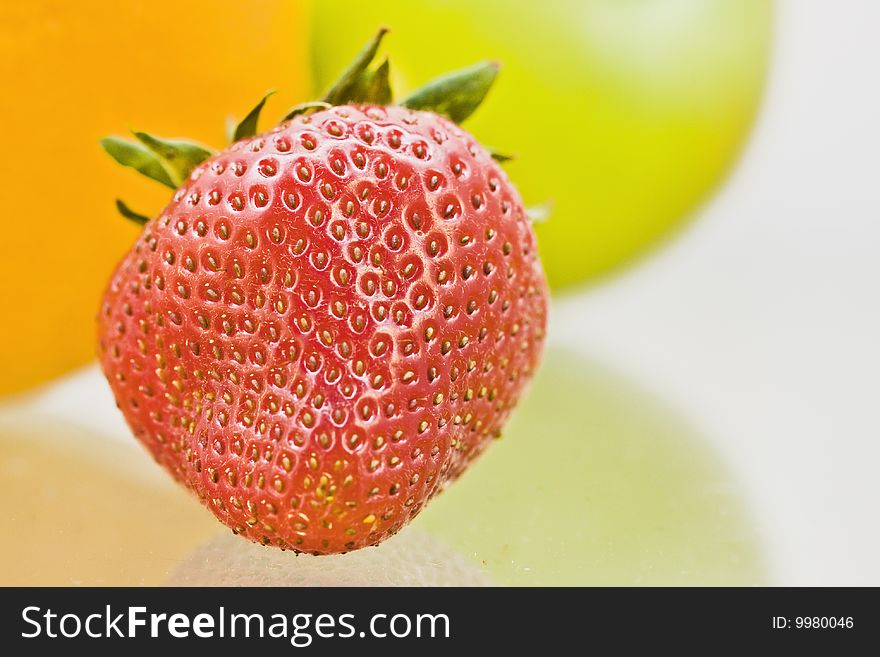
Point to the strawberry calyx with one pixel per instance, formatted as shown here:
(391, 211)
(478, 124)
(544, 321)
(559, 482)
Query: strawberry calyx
(247, 127)
(165, 161)
(130, 214)
(499, 157)
(305, 108)
(359, 84)
(455, 95)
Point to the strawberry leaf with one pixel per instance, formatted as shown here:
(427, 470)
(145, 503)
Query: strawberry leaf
(456, 94)
(501, 158)
(304, 108)
(343, 89)
(248, 125)
(178, 158)
(130, 214)
(137, 157)
(375, 86)
(372, 86)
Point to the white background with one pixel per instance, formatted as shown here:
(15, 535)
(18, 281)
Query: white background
(761, 323)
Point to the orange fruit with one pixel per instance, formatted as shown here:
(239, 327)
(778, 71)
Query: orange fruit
(73, 72)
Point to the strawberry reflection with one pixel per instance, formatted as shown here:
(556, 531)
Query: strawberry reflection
(411, 558)
(597, 482)
(594, 482)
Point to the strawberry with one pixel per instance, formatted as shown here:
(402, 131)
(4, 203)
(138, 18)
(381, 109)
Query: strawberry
(330, 320)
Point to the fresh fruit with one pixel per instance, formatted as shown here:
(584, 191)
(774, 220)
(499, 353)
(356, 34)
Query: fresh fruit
(621, 492)
(646, 501)
(624, 114)
(331, 319)
(70, 72)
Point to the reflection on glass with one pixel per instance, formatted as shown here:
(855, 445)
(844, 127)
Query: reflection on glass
(81, 509)
(412, 558)
(596, 483)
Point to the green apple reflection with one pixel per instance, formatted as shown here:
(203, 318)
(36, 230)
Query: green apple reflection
(596, 483)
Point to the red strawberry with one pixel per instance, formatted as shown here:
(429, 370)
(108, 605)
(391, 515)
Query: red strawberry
(330, 320)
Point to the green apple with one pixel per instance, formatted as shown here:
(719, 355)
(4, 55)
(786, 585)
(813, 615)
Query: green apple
(624, 113)
(597, 483)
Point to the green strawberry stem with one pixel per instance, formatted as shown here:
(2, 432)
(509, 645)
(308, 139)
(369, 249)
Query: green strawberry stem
(138, 158)
(303, 108)
(375, 86)
(248, 125)
(344, 90)
(178, 157)
(455, 95)
(128, 213)
(501, 158)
